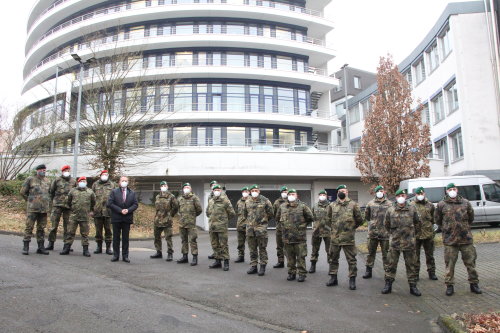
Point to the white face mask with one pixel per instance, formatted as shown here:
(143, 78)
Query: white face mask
(164, 189)
(186, 190)
(453, 194)
(255, 194)
(420, 197)
(292, 198)
(124, 184)
(82, 184)
(104, 178)
(379, 194)
(322, 197)
(284, 195)
(217, 193)
(66, 174)
(401, 200)
(244, 194)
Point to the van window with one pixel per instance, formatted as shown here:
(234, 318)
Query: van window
(469, 192)
(434, 194)
(492, 192)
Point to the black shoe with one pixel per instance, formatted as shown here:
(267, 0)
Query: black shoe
(108, 248)
(169, 257)
(368, 273)
(240, 259)
(226, 265)
(126, 259)
(26, 248)
(194, 262)
(41, 248)
(333, 281)
(280, 264)
(212, 256)
(450, 290)
(262, 270)
(157, 255)
(352, 283)
(432, 276)
(183, 260)
(291, 277)
(388, 287)
(252, 270)
(50, 247)
(474, 287)
(86, 252)
(99, 247)
(114, 259)
(216, 264)
(301, 278)
(414, 290)
(313, 267)
(65, 250)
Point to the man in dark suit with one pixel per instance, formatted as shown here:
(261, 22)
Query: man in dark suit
(122, 202)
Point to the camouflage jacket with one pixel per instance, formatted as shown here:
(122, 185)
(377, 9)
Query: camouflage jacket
(102, 191)
(374, 215)
(59, 190)
(240, 205)
(455, 218)
(219, 212)
(294, 218)
(189, 209)
(81, 201)
(401, 222)
(345, 217)
(425, 210)
(35, 191)
(322, 224)
(276, 205)
(257, 212)
(166, 207)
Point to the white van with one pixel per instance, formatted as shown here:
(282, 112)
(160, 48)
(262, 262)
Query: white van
(482, 192)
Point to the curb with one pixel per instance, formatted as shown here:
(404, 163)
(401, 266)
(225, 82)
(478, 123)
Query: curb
(449, 325)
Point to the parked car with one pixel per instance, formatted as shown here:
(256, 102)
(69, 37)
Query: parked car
(303, 148)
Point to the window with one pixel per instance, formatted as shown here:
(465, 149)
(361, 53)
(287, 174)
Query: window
(366, 108)
(441, 148)
(452, 97)
(419, 68)
(235, 97)
(457, 145)
(357, 82)
(438, 107)
(355, 146)
(354, 114)
(426, 116)
(491, 192)
(409, 78)
(285, 101)
(445, 42)
(235, 136)
(470, 192)
(433, 57)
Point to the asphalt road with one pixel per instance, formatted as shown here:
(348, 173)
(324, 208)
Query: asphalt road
(76, 294)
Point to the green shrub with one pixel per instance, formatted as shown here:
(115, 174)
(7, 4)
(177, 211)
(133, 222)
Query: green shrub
(10, 187)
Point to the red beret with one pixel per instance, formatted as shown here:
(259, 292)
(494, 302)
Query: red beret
(82, 178)
(65, 167)
(103, 171)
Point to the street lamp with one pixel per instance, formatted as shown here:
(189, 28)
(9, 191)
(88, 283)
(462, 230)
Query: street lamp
(347, 131)
(78, 111)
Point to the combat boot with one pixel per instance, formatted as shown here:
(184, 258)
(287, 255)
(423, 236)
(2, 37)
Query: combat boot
(280, 264)
(26, 248)
(450, 290)
(262, 270)
(99, 247)
(86, 252)
(226, 265)
(108, 248)
(212, 256)
(195, 260)
(368, 273)
(50, 246)
(216, 264)
(65, 250)
(388, 287)
(291, 277)
(301, 278)
(157, 255)
(313, 267)
(333, 281)
(474, 287)
(352, 283)
(184, 259)
(41, 248)
(432, 276)
(240, 259)
(169, 257)
(414, 290)
(252, 270)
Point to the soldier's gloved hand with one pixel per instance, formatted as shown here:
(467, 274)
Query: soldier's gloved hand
(435, 227)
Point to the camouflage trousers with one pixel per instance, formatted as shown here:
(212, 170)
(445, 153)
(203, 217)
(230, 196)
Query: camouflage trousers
(280, 252)
(219, 244)
(242, 237)
(372, 245)
(428, 245)
(41, 222)
(55, 217)
(296, 258)
(257, 245)
(350, 252)
(316, 245)
(188, 238)
(469, 257)
(103, 222)
(410, 258)
(84, 231)
(168, 237)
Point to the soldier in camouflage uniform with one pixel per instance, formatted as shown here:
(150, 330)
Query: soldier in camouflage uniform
(35, 191)
(81, 201)
(425, 233)
(166, 207)
(294, 216)
(219, 212)
(321, 229)
(279, 230)
(59, 190)
(345, 217)
(377, 233)
(241, 226)
(212, 184)
(102, 215)
(401, 221)
(189, 209)
(455, 215)
(258, 211)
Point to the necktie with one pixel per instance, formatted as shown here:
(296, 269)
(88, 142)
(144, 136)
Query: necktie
(124, 194)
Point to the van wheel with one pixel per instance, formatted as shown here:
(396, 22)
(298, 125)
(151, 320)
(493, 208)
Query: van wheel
(495, 224)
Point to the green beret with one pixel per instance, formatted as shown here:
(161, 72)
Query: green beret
(284, 188)
(400, 191)
(41, 166)
(419, 190)
(322, 192)
(213, 182)
(163, 183)
(216, 186)
(254, 187)
(450, 185)
(186, 184)
(245, 189)
(292, 190)
(340, 187)
(378, 188)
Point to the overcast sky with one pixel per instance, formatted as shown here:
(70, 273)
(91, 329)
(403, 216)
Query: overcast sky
(364, 31)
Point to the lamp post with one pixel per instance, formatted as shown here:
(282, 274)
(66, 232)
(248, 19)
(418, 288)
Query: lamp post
(54, 112)
(347, 131)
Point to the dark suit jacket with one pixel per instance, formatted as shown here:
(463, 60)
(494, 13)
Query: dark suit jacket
(116, 204)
